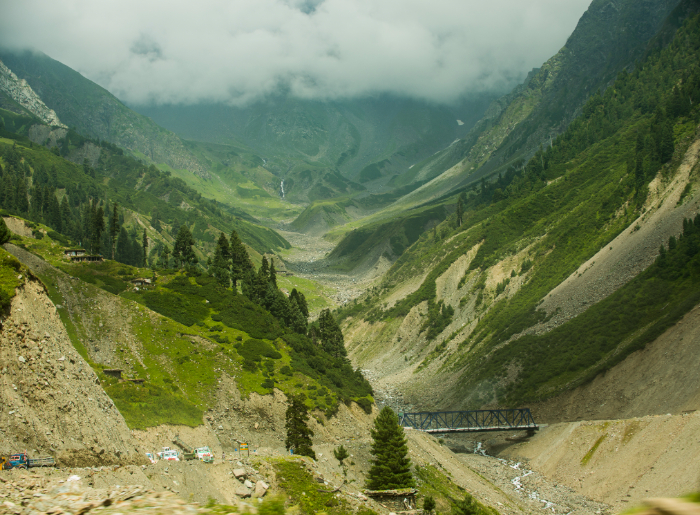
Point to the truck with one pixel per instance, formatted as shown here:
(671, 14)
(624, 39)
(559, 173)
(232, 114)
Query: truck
(21, 460)
(168, 454)
(188, 452)
(204, 454)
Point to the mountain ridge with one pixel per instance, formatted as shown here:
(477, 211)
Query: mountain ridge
(96, 113)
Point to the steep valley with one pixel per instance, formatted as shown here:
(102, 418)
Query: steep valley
(340, 256)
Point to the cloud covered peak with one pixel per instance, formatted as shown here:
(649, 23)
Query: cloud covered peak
(238, 51)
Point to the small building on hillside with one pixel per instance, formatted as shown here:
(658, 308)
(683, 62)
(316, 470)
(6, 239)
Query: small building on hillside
(142, 282)
(114, 372)
(403, 499)
(69, 253)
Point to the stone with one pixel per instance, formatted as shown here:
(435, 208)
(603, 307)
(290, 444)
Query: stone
(260, 489)
(239, 473)
(242, 491)
(248, 484)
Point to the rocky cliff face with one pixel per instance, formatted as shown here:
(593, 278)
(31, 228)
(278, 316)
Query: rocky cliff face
(51, 402)
(23, 94)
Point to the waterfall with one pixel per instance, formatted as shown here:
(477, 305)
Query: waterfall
(282, 188)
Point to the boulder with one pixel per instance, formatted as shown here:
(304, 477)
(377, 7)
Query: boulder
(242, 491)
(239, 473)
(260, 489)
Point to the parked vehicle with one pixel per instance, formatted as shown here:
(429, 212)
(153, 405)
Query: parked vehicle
(168, 454)
(150, 457)
(204, 454)
(22, 460)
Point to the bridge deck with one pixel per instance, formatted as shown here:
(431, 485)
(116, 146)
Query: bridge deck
(469, 421)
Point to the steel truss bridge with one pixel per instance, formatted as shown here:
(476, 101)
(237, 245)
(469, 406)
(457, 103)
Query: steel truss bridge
(470, 421)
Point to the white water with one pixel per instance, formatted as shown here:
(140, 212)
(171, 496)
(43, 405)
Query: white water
(282, 188)
(516, 481)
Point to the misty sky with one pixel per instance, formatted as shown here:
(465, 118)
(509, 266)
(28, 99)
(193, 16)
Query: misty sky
(236, 51)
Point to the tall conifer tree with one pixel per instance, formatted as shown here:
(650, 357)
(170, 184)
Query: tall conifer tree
(391, 466)
(298, 432)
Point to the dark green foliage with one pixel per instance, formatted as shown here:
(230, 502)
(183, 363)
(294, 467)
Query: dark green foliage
(255, 350)
(298, 432)
(183, 251)
(470, 506)
(5, 233)
(332, 339)
(335, 374)
(235, 311)
(391, 466)
(365, 404)
(220, 267)
(300, 300)
(439, 317)
(429, 504)
(341, 453)
(180, 308)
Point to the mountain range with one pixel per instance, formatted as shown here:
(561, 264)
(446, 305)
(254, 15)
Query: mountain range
(481, 212)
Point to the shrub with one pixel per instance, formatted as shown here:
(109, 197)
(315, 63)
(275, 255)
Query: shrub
(255, 350)
(365, 404)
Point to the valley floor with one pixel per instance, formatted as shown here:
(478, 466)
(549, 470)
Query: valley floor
(306, 259)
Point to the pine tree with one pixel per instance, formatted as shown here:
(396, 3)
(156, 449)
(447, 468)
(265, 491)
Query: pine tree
(98, 227)
(222, 262)
(66, 215)
(260, 283)
(429, 504)
(155, 221)
(122, 247)
(21, 200)
(144, 250)
(332, 340)
(297, 320)
(182, 250)
(301, 302)
(165, 258)
(114, 227)
(241, 266)
(273, 273)
(391, 466)
(54, 218)
(8, 197)
(298, 432)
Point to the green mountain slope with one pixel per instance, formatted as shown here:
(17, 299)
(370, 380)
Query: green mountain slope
(608, 38)
(177, 339)
(109, 176)
(477, 308)
(96, 113)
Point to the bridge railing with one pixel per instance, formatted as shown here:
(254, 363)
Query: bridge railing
(475, 420)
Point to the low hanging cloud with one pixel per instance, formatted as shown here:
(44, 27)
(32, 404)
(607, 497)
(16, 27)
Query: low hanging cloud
(238, 51)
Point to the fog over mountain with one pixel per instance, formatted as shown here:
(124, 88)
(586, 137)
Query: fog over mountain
(240, 51)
